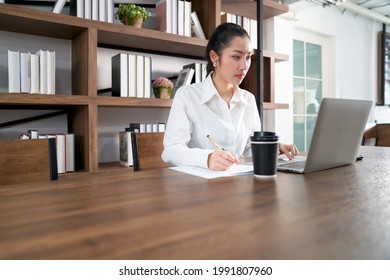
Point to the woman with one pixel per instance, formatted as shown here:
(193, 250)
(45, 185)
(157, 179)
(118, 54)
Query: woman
(216, 107)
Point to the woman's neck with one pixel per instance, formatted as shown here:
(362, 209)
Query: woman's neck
(225, 90)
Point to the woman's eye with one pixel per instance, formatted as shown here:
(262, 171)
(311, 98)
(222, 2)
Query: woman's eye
(237, 57)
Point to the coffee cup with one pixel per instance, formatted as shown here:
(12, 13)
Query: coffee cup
(265, 150)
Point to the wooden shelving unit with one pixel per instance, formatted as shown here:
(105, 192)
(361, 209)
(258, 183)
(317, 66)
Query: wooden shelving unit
(86, 35)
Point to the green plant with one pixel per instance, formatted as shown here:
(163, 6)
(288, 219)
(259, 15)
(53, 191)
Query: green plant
(131, 11)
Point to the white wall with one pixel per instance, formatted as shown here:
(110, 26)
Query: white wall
(354, 58)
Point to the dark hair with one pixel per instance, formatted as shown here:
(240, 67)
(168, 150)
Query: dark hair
(221, 39)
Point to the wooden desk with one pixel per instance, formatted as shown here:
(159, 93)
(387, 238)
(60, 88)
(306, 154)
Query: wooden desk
(343, 213)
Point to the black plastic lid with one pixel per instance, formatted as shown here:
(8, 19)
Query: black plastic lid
(264, 136)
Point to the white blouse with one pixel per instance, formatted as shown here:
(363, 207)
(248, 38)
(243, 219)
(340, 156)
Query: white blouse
(197, 111)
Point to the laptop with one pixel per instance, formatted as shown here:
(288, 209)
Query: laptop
(336, 138)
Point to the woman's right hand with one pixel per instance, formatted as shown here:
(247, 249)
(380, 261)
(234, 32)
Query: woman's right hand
(220, 160)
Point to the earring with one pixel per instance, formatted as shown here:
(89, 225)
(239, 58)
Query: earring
(214, 64)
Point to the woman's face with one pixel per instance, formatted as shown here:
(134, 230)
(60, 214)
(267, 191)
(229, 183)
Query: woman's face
(235, 60)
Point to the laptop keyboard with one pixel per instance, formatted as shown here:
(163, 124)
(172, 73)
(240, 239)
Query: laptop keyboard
(294, 164)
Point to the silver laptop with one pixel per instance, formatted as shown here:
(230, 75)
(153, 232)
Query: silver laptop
(336, 138)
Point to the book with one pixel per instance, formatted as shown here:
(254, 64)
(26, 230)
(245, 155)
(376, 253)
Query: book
(134, 148)
(161, 127)
(174, 4)
(147, 77)
(110, 11)
(164, 15)
(58, 6)
(60, 150)
(140, 76)
(34, 73)
(51, 70)
(180, 17)
(119, 75)
(198, 71)
(196, 27)
(42, 71)
(69, 153)
(77, 8)
(102, 10)
(14, 71)
(33, 133)
(87, 9)
(187, 18)
(53, 159)
(24, 72)
(132, 71)
(125, 148)
(95, 9)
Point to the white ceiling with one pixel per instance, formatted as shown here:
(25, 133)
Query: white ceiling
(376, 6)
(377, 9)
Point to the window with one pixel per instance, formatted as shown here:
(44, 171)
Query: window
(307, 86)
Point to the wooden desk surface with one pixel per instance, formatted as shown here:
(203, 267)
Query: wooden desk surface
(343, 213)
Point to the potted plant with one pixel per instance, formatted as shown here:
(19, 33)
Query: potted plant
(130, 14)
(162, 88)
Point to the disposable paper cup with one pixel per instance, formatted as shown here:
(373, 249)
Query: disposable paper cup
(265, 149)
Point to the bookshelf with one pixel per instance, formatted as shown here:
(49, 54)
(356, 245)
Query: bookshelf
(86, 36)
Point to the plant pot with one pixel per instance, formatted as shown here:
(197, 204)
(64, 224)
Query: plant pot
(137, 22)
(161, 92)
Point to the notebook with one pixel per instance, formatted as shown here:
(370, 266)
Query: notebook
(336, 138)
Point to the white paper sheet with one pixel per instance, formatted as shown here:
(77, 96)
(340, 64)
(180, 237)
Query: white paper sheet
(235, 170)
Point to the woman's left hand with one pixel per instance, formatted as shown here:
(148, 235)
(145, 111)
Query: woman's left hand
(290, 150)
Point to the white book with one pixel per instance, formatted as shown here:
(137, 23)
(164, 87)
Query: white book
(161, 127)
(119, 75)
(110, 11)
(187, 18)
(196, 26)
(174, 16)
(140, 76)
(24, 72)
(204, 70)
(155, 127)
(87, 9)
(125, 148)
(80, 8)
(42, 71)
(253, 34)
(132, 75)
(95, 10)
(147, 76)
(69, 153)
(149, 128)
(102, 10)
(142, 127)
(13, 71)
(180, 17)
(51, 72)
(164, 15)
(58, 6)
(34, 73)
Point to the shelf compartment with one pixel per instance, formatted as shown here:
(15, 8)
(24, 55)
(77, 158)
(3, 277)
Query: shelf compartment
(14, 18)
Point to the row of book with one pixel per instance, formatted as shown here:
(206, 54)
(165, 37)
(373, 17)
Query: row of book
(131, 75)
(31, 73)
(176, 17)
(250, 25)
(126, 155)
(101, 10)
(64, 148)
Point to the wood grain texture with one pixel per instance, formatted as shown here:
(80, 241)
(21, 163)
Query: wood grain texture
(150, 147)
(340, 213)
(383, 134)
(24, 161)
